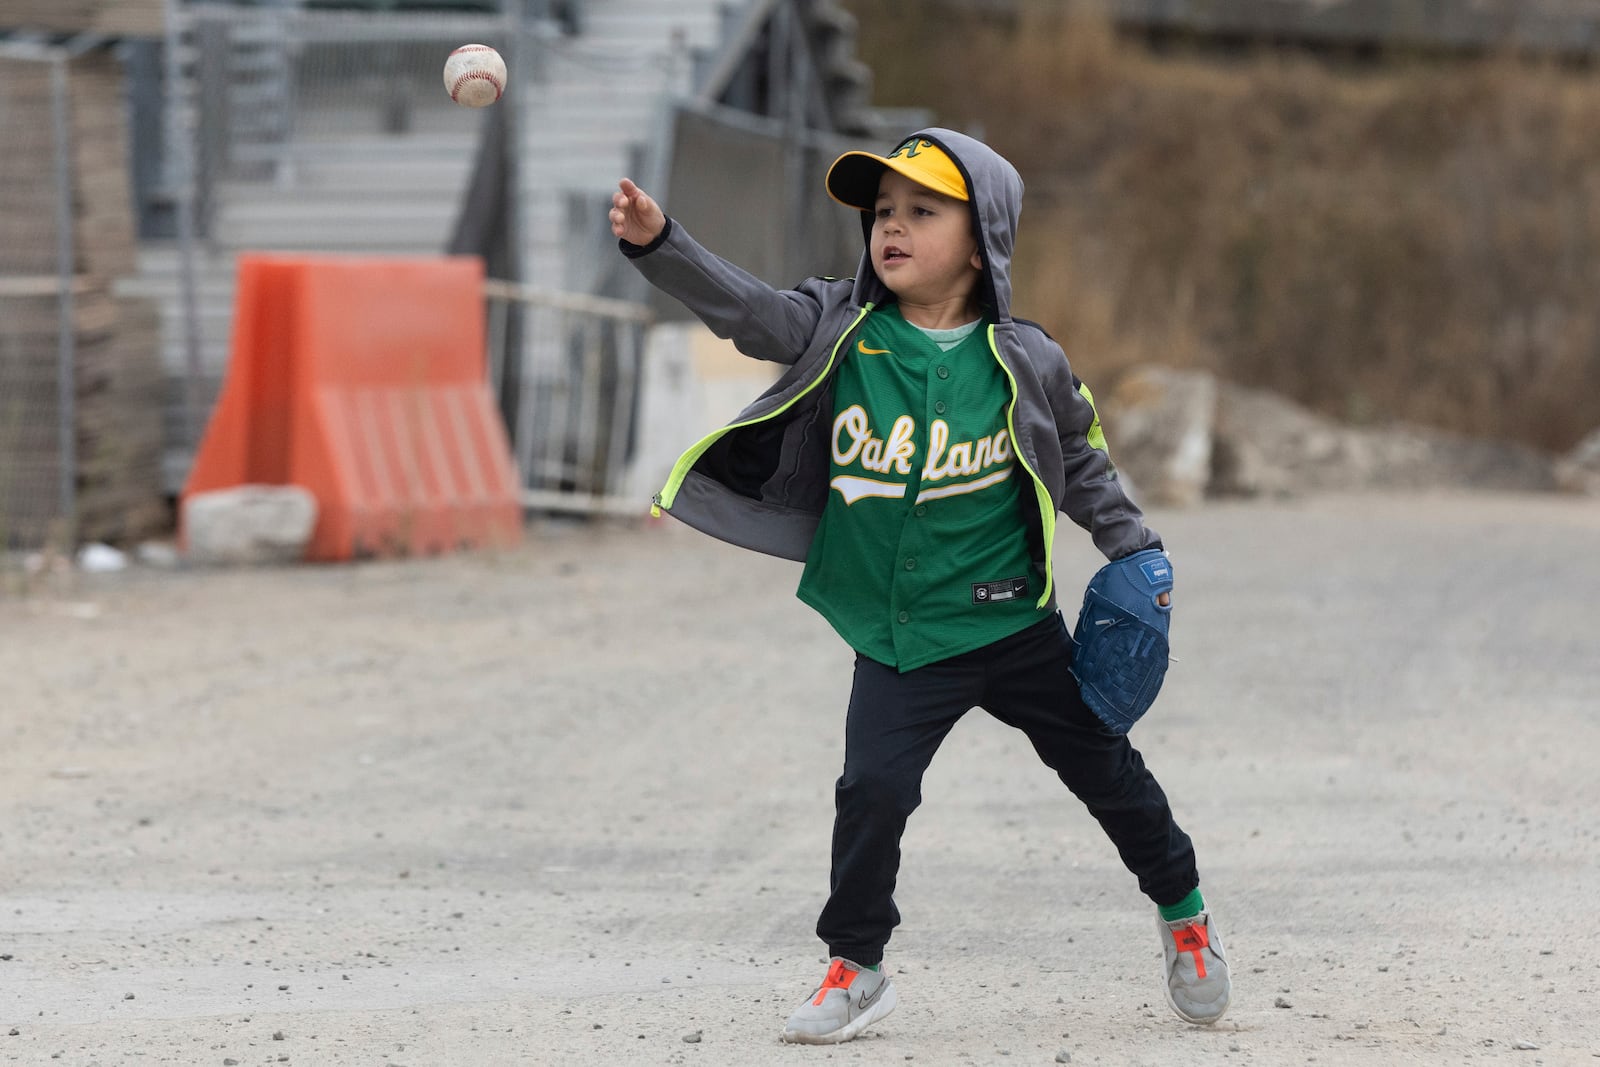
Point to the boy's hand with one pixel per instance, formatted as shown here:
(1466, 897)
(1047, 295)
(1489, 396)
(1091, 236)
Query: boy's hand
(635, 217)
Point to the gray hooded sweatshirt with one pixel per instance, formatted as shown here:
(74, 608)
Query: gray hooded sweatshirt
(761, 482)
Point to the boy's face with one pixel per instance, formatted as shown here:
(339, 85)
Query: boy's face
(922, 244)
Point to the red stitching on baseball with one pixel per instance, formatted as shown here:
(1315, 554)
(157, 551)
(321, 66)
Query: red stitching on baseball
(472, 75)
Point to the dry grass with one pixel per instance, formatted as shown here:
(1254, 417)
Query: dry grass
(1416, 241)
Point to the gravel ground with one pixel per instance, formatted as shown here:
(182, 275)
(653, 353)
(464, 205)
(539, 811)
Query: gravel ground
(571, 805)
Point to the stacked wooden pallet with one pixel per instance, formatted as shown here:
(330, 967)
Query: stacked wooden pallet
(117, 379)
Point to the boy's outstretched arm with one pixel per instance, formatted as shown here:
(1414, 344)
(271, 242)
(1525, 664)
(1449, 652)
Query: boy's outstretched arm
(635, 217)
(763, 322)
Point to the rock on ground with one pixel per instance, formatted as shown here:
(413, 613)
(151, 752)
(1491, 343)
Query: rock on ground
(1181, 436)
(1579, 470)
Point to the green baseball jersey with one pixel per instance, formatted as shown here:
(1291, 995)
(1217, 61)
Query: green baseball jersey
(922, 552)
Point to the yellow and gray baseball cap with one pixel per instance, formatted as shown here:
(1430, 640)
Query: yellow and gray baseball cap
(853, 178)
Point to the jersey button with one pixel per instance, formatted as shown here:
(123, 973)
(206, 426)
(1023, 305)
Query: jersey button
(943, 372)
(905, 616)
(939, 407)
(921, 510)
(911, 564)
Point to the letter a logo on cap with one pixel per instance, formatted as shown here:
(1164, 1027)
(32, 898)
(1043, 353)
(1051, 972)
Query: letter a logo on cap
(853, 178)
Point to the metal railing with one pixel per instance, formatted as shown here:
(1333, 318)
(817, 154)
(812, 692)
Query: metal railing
(566, 367)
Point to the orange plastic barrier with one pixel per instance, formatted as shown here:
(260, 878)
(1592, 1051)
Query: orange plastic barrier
(362, 380)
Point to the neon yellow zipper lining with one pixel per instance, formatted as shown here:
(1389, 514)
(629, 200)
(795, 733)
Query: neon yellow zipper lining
(1041, 494)
(680, 470)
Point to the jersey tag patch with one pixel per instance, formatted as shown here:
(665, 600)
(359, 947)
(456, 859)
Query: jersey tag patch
(994, 592)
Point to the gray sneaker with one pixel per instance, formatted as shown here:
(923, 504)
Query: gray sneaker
(1197, 984)
(850, 999)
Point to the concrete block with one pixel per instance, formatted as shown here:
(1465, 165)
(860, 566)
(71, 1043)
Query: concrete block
(248, 524)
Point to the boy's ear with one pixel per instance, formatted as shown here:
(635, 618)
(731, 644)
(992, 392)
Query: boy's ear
(977, 261)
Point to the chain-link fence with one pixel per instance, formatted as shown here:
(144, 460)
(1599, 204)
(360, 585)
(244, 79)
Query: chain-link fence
(322, 127)
(136, 169)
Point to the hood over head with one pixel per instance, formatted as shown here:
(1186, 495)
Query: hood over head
(958, 166)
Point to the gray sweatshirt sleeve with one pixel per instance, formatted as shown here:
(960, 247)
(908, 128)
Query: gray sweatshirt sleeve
(763, 322)
(1093, 496)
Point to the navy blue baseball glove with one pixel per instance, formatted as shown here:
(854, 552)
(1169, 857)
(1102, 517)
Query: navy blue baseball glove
(1121, 658)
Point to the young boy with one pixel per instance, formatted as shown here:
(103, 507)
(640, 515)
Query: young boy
(914, 455)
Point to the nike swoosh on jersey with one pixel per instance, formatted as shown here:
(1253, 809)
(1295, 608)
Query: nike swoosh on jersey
(852, 488)
(861, 346)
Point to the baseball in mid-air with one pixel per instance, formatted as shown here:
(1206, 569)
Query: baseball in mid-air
(475, 75)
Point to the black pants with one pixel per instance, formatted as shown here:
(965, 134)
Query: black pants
(896, 723)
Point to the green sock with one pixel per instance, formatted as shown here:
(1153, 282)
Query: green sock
(874, 966)
(1187, 908)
